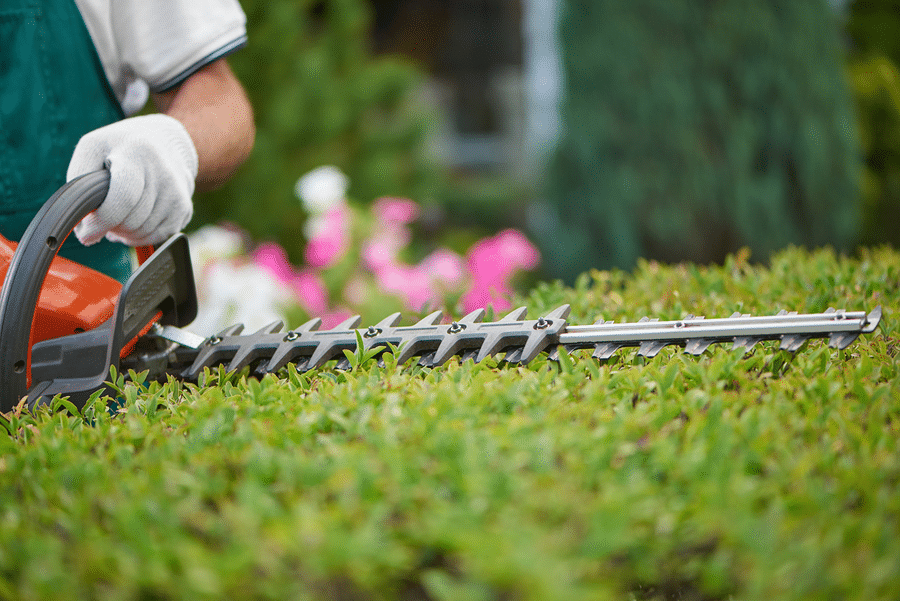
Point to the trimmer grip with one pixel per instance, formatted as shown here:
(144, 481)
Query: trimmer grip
(27, 271)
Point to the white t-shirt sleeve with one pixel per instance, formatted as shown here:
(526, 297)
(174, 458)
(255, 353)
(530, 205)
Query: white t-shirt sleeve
(157, 44)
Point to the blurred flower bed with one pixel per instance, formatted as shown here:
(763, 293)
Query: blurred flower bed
(356, 261)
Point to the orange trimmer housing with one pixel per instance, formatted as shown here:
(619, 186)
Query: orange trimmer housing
(73, 299)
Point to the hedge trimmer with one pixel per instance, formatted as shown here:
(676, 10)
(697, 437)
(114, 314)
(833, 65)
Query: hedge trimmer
(63, 325)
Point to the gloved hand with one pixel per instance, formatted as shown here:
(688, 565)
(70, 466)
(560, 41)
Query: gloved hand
(153, 165)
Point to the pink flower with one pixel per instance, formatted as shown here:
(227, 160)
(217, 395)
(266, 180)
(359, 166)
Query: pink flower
(445, 267)
(379, 252)
(492, 263)
(273, 259)
(391, 210)
(497, 258)
(481, 295)
(330, 238)
(412, 284)
(311, 292)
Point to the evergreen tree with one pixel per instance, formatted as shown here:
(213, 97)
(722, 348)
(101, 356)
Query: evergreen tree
(695, 128)
(874, 29)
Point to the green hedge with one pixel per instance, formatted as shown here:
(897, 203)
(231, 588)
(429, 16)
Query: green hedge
(695, 128)
(772, 476)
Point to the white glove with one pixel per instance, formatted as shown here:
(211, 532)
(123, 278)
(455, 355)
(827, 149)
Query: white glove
(153, 164)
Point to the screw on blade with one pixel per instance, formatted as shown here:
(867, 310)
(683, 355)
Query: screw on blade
(456, 342)
(293, 346)
(544, 333)
(255, 347)
(372, 336)
(217, 349)
(425, 338)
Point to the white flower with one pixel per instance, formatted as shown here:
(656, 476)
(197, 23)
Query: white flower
(322, 188)
(213, 242)
(235, 292)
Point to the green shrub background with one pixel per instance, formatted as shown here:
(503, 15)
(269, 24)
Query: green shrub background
(873, 29)
(692, 129)
(771, 476)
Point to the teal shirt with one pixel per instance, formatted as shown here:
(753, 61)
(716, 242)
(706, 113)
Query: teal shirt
(53, 90)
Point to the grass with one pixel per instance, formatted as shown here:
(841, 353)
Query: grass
(771, 476)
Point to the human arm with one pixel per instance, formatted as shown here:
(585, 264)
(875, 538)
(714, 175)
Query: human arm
(213, 108)
(203, 132)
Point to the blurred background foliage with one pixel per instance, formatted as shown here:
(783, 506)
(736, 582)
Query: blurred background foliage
(689, 129)
(693, 129)
(321, 98)
(873, 30)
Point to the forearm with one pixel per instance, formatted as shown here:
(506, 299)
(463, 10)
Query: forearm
(212, 106)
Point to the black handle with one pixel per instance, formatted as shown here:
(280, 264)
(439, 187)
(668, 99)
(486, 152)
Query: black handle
(28, 269)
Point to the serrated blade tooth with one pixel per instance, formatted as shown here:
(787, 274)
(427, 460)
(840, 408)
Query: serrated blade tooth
(348, 324)
(271, 328)
(515, 315)
(475, 316)
(231, 330)
(745, 342)
(561, 312)
(431, 319)
(212, 352)
(872, 320)
(651, 348)
(514, 356)
(310, 326)
(841, 340)
(427, 360)
(252, 350)
(605, 351)
(390, 321)
(470, 354)
(697, 346)
(325, 352)
(343, 365)
(792, 342)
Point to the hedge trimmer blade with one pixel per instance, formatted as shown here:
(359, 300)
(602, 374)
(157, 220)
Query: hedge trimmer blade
(518, 340)
(145, 331)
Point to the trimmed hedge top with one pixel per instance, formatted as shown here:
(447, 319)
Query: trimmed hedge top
(771, 476)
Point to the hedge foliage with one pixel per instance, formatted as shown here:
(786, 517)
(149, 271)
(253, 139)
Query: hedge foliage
(695, 128)
(770, 476)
